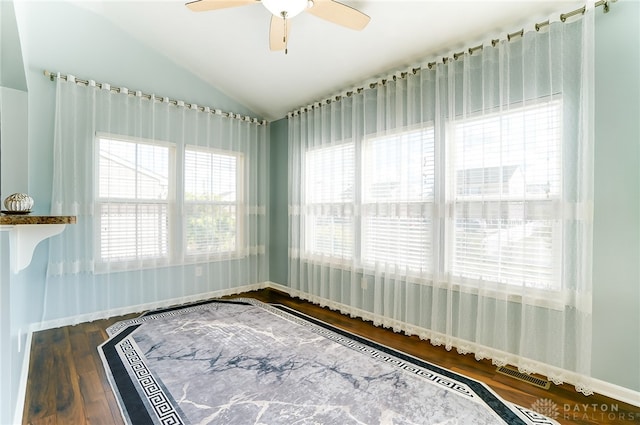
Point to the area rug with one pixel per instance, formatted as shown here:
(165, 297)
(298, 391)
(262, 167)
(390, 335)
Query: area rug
(245, 362)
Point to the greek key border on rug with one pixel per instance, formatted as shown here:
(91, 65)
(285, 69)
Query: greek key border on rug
(153, 392)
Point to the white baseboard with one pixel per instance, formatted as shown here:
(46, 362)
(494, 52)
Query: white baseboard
(105, 314)
(22, 385)
(616, 392)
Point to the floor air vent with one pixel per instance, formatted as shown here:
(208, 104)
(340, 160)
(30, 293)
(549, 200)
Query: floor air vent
(515, 373)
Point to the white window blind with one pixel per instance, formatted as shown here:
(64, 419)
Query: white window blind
(132, 205)
(136, 190)
(330, 180)
(398, 185)
(211, 197)
(507, 173)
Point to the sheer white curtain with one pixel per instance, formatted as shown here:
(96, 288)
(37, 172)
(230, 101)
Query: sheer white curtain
(170, 202)
(455, 202)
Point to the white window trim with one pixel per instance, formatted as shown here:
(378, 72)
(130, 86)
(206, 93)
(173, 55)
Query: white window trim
(368, 263)
(554, 201)
(176, 244)
(443, 208)
(238, 253)
(101, 266)
(307, 254)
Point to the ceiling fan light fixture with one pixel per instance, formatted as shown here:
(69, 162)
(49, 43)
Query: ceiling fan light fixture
(286, 8)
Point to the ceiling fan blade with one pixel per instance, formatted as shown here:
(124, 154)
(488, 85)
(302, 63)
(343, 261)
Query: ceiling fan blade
(205, 5)
(279, 33)
(339, 13)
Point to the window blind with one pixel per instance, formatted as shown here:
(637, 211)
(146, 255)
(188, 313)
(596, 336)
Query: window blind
(132, 204)
(398, 186)
(211, 193)
(133, 231)
(330, 181)
(210, 176)
(134, 182)
(507, 173)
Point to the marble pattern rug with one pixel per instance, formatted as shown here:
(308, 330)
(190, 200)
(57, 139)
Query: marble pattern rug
(246, 362)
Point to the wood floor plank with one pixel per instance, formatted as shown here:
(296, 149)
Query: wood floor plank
(82, 354)
(68, 385)
(114, 409)
(99, 413)
(48, 420)
(40, 400)
(69, 402)
(95, 337)
(91, 387)
(96, 404)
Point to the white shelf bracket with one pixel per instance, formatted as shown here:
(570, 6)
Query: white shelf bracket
(23, 239)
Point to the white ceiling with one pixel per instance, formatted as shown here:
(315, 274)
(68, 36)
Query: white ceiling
(229, 48)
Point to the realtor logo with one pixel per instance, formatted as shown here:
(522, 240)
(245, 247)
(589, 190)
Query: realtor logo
(546, 407)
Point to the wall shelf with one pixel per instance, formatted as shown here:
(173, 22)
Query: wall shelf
(27, 231)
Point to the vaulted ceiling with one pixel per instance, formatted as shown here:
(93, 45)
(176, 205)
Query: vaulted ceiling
(229, 48)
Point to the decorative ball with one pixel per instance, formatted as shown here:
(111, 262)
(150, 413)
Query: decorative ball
(18, 202)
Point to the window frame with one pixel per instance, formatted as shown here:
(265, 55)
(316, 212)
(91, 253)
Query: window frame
(307, 252)
(238, 203)
(443, 213)
(402, 205)
(103, 264)
(176, 223)
(452, 199)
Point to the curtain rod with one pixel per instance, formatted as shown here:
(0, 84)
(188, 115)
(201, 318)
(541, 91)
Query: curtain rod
(445, 59)
(52, 76)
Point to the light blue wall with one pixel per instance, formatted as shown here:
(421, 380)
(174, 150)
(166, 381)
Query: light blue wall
(58, 36)
(616, 241)
(616, 259)
(279, 214)
(11, 64)
(13, 143)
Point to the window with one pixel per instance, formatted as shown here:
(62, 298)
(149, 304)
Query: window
(137, 215)
(330, 179)
(507, 173)
(498, 186)
(211, 201)
(397, 181)
(133, 200)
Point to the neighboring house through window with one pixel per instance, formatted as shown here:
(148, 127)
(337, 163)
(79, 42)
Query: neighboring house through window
(507, 171)
(133, 201)
(373, 202)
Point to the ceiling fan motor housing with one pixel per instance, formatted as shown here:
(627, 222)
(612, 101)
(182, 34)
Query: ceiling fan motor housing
(286, 8)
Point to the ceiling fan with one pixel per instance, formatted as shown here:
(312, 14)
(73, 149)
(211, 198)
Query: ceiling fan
(284, 10)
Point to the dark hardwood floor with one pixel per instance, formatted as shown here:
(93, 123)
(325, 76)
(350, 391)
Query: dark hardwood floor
(67, 383)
